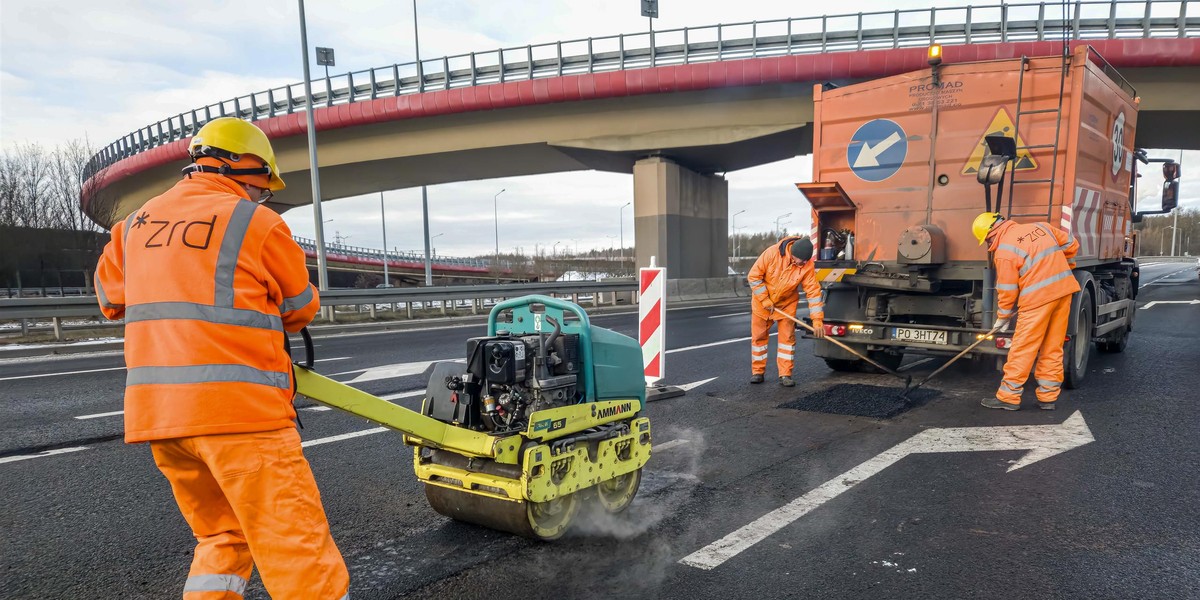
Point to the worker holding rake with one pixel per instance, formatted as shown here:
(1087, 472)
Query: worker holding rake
(1033, 263)
(775, 280)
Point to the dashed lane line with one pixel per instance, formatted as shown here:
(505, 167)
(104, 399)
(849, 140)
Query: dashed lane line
(9, 459)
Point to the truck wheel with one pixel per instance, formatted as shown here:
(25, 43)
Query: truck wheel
(841, 365)
(1075, 355)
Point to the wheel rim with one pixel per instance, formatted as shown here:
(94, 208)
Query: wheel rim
(551, 519)
(616, 494)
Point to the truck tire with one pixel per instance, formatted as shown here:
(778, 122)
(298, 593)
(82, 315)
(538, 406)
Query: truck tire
(1077, 351)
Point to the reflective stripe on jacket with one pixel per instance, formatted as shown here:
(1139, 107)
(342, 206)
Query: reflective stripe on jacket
(208, 282)
(1033, 265)
(774, 278)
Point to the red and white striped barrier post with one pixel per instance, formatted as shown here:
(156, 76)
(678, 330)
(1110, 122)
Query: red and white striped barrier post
(652, 317)
(652, 332)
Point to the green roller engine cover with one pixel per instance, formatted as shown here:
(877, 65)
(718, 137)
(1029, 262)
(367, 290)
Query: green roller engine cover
(612, 362)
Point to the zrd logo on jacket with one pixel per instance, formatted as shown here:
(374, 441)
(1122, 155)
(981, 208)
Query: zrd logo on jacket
(194, 234)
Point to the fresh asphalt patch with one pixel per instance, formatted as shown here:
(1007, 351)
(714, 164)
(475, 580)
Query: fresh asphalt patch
(860, 400)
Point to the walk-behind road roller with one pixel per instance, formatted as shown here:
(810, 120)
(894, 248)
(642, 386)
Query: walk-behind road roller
(543, 418)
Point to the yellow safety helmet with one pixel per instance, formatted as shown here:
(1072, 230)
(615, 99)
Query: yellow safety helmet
(983, 224)
(228, 139)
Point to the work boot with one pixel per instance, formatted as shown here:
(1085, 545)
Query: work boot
(756, 378)
(996, 403)
(786, 381)
(1046, 405)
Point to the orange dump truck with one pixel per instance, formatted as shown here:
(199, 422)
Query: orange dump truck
(903, 164)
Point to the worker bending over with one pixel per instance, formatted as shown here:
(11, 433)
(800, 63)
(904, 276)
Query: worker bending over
(775, 280)
(1033, 265)
(208, 283)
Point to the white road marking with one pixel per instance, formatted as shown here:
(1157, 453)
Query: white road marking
(317, 408)
(392, 371)
(1150, 305)
(101, 415)
(913, 364)
(1172, 273)
(1042, 441)
(711, 344)
(737, 314)
(332, 359)
(668, 445)
(61, 373)
(9, 459)
(695, 384)
(344, 436)
(408, 394)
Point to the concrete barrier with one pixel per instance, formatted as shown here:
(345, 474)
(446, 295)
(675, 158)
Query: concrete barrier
(692, 289)
(1145, 260)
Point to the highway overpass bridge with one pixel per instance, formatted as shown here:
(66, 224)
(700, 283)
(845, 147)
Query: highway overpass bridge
(675, 108)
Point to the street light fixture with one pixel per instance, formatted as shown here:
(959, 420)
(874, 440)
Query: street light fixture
(496, 211)
(434, 238)
(735, 238)
(777, 219)
(554, 249)
(623, 234)
(322, 270)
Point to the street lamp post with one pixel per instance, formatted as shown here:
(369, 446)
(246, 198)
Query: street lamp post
(383, 223)
(434, 238)
(554, 249)
(735, 237)
(322, 271)
(777, 219)
(424, 193)
(623, 235)
(496, 216)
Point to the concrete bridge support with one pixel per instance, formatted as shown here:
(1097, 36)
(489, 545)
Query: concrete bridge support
(681, 217)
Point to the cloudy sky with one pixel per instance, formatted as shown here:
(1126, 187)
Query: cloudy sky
(99, 70)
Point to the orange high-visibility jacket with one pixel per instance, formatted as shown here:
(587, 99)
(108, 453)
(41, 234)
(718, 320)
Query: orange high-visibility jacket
(207, 282)
(1033, 265)
(773, 278)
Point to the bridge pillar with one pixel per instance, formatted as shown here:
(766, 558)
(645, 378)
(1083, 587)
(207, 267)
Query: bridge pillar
(681, 217)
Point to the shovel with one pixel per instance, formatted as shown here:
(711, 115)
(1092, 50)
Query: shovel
(986, 336)
(906, 378)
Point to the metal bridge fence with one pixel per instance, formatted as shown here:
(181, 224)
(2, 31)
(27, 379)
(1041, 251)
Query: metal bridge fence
(997, 23)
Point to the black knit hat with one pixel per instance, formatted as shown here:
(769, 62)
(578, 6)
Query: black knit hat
(802, 249)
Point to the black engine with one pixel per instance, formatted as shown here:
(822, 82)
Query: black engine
(506, 378)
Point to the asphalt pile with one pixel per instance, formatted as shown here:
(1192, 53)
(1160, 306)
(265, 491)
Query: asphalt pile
(862, 400)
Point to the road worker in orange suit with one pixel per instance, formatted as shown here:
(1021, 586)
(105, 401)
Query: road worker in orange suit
(1033, 263)
(775, 280)
(208, 282)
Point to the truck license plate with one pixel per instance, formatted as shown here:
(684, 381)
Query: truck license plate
(921, 336)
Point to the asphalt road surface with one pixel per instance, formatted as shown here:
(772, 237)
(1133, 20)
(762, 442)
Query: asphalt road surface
(742, 499)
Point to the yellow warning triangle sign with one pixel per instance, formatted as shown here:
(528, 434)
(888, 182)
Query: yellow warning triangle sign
(1001, 124)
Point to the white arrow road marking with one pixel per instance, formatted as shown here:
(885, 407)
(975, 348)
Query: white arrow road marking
(869, 156)
(9, 459)
(1042, 441)
(695, 384)
(392, 371)
(1150, 305)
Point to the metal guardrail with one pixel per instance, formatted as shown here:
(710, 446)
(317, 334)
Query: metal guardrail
(86, 306)
(1087, 20)
(310, 245)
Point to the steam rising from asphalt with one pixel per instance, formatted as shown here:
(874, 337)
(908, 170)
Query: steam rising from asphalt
(667, 481)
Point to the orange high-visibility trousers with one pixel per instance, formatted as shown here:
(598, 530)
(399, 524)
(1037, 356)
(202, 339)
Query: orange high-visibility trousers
(1040, 335)
(760, 337)
(251, 500)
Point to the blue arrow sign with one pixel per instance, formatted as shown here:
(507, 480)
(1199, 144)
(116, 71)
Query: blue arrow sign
(877, 150)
